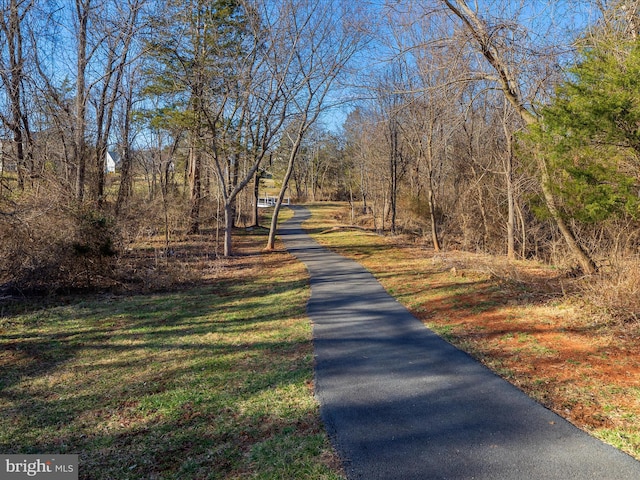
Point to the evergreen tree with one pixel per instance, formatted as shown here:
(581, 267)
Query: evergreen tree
(194, 50)
(590, 133)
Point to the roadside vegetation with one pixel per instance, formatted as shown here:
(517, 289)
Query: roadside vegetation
(204, 369)
(537, 326)
(211, 378)
(133, 164)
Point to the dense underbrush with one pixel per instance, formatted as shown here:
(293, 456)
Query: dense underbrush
(611, 296)
(56, 247)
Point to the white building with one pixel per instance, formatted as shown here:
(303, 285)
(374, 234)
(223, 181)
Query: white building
(110, 162)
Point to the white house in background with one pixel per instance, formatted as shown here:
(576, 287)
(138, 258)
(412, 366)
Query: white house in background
(110, 161)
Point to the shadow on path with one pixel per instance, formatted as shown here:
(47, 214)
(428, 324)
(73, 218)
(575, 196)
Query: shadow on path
(401, 403)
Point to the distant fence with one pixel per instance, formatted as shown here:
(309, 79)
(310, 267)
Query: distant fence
(270, 201)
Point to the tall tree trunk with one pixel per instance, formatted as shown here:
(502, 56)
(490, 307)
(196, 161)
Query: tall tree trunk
(393, 172)
(431, 196)
(273, 228)
(124, 191)
(283, 189)
(364, 189)
(435, 239)
(481, 206)
(79, 145)
(508, 173)
(228, 228)
(256, 199)
(523, 232)
(511, 253)
(102, 133)
(106, 112)
(12, 77)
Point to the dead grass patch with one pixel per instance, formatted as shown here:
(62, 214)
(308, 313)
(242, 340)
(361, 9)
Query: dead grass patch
(613, 295)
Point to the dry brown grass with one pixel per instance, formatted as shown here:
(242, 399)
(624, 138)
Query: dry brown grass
(614, 294)
(533, 324)
(46, 245)
(53, 245)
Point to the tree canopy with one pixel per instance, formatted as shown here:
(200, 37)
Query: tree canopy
(209, 104)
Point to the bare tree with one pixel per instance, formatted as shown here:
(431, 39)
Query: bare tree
(127, 132)
(322, 37)
(388, 105)
(493, 47)
(356, 136)
(83, 55)
(367, 143)
(119, 29)
(435, 115)
(246, 120)
(12, 78)
(508, 165)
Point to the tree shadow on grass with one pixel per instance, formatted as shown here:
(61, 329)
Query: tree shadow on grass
(162, 385)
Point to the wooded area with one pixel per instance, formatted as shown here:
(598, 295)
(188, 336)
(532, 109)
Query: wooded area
(510, 128)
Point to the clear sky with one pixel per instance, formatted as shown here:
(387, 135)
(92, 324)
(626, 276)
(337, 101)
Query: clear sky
(544, 23)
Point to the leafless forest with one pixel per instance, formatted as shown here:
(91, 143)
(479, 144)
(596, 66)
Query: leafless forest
(511, 128)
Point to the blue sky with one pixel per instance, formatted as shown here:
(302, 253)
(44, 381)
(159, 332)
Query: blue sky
(548, 23)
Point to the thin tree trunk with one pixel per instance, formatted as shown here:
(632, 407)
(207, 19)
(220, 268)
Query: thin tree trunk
(102, 134)
(353, 207)
(523, 233)
(12, 77)
(363, 188)
(285, 184)
(82, 11)
(483, 211)
(124, 190)
(195, 191)
(511, 253)
(256, 198)
(228, 228)
(431, 198)
(393, 172)
(435, 240)
(508, 172)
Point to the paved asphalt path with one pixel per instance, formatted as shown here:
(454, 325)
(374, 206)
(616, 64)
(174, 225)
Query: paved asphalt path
(401, 403)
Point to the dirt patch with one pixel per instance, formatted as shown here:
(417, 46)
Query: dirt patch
(524, 322)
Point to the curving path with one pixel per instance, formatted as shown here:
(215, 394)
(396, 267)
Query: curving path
(401, 403)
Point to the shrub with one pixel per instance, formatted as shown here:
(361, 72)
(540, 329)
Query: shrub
(614, 294)
(47, 246)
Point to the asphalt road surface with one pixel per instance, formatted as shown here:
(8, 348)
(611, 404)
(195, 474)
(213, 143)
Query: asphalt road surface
(401, 403)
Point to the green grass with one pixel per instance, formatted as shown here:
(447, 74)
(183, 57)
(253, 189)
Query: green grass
(620, 439)
(445, 331)
(209, 382)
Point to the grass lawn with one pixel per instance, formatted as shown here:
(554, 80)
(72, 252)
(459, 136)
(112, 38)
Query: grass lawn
(211, 380)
